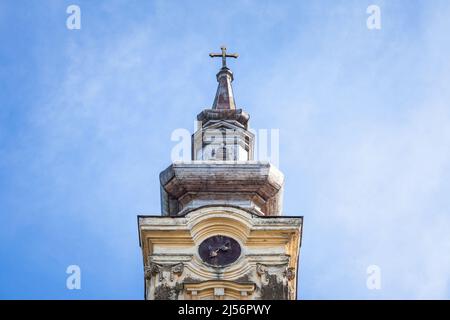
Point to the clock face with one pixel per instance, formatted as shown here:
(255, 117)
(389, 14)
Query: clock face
(219, 250)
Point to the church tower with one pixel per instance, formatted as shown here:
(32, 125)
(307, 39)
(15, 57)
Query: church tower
(221, 234)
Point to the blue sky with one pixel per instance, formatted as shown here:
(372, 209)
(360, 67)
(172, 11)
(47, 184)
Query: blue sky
(86, 118)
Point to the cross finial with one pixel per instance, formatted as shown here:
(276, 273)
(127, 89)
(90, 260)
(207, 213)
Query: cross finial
(224, 55)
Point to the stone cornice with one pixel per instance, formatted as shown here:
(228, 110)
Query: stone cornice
(249, 179)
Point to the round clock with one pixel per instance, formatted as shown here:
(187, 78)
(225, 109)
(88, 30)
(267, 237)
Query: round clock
(219, 250)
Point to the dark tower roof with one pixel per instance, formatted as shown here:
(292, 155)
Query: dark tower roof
(224, 99)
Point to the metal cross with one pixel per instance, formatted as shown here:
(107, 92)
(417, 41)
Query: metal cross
(224, 56)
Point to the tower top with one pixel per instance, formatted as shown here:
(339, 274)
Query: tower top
(224, 56)
(224, 99)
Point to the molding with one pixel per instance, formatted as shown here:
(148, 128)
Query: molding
(219, 289)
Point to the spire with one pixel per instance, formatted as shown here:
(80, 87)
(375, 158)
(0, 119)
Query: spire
(224, 99)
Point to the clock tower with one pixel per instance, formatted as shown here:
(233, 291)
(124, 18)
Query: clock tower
(221, 234)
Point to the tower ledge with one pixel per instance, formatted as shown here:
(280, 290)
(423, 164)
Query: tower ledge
(256, 186)
(224, 114)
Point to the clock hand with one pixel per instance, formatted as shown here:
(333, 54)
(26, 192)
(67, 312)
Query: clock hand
(213, 253)
(224, 248)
